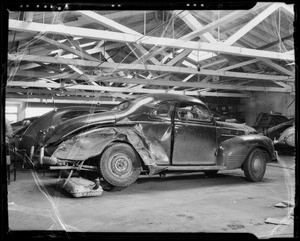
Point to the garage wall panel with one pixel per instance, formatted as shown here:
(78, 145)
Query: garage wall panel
(267, 102)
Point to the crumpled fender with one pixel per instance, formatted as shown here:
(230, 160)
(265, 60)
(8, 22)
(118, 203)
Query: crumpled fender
(233, 152)
(92, 143)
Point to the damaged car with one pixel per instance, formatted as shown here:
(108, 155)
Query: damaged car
(155, 134)
(34, 132)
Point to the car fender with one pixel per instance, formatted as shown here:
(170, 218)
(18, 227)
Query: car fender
(92, 143)
(233, 152)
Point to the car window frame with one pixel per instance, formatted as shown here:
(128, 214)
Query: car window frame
(62, 118)
(177, 118)
(155, 106)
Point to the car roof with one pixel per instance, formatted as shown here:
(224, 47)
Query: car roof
(174, 97)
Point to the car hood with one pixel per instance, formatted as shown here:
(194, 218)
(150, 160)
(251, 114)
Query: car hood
(75, 125)
(241, 127)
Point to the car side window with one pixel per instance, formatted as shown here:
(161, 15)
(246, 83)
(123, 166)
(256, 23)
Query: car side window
(192, 112)
(162, 110)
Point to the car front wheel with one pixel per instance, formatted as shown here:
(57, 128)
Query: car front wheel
(255, 165)
(120, 165)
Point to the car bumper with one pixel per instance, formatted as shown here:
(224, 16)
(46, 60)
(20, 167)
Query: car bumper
(58, 164)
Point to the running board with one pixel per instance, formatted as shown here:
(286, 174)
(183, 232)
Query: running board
(195, 168)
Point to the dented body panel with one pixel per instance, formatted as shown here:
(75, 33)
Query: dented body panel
(232, 152)
(157, 129)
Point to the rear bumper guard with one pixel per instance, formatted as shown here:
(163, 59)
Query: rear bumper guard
(58, 164)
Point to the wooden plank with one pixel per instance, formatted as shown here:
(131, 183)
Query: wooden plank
(234, 66)
(122, 89)
(157, 82)
(194, 24)
(251, 24)
(221, 21)
(277, 67)
(121, 66)
(148, 40)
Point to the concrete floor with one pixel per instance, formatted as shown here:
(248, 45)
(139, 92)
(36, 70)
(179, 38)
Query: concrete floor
(190, 203)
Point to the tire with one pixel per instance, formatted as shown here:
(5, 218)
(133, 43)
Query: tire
(211, 173)
(255, 165)
(120, 165)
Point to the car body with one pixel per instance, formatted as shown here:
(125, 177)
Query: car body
(283, 136)
(154, 134)
(219, 117)
(264, 121)
(274, 132)
(34, 133)
(286, 142)
(25, 122)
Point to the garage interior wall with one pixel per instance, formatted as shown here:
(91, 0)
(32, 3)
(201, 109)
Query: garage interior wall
(283, 103)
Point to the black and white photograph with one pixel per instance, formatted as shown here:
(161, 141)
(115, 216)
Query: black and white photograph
(127, 119)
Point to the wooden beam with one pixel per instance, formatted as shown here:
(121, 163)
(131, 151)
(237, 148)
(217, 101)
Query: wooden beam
(251, 24)
(50, 99)
(288, 9)
(221, 61)
(120, 66)
(66, 93)
(234, 66)
(277, 67)
(269, 45)
(67, 48)
(122, 89)
(111, 24)
(194, 24)
(147, 40)
(157, 82)
(221, 21)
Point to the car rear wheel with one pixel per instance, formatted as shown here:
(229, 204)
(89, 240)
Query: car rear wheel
(120, 165)
(255, 165)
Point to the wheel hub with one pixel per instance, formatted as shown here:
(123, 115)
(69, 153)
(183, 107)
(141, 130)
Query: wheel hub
(121, 165)
(257, 164)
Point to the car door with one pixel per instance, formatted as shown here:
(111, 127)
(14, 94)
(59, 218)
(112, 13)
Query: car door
(157, 129)
(194, 135)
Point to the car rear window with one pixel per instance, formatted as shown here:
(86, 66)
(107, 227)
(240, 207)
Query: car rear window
(73, 114)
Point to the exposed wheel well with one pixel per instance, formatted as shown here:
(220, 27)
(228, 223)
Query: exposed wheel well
(94, 160)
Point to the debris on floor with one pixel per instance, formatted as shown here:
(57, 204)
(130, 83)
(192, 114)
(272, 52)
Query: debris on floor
(235, 226)
(80, 187)
(285, 204)
(284, 221)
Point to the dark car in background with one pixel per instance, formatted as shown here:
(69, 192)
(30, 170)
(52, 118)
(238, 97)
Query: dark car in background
(225, 118)
(283, 136)
(154, 134)
(45, 123)
(20, 126)
(275, 131)
(287, 142)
